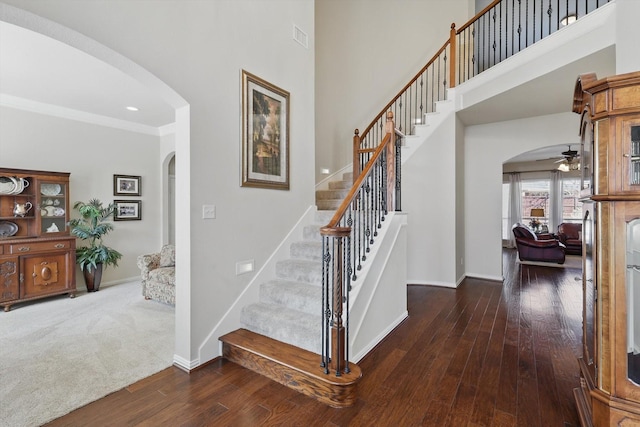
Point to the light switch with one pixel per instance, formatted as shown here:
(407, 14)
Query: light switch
(208, 211)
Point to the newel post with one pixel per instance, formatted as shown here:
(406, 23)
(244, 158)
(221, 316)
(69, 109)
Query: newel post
(452, 52)
(390, 128)
(356, 155)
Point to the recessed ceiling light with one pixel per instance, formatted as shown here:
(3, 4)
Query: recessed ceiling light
(569, 19)
(132, 108)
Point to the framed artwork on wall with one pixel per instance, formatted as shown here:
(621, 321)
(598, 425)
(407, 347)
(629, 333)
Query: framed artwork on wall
(265, 134)
(126, 185)
(127, 210)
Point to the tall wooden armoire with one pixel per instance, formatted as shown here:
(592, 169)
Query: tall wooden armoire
(609, 393)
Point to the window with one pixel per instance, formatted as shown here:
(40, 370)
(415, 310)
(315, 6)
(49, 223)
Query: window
(571, 206)
(535, 195)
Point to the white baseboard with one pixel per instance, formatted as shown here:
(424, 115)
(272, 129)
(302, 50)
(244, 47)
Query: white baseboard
(358, 357)
(184, 364)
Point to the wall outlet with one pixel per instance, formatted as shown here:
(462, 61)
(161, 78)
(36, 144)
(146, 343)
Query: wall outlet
(208, 211)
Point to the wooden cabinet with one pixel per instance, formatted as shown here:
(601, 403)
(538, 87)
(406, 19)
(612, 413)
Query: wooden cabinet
(609, 393)
(37, 253)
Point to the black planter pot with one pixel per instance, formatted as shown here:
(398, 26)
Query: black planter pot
(92, 278)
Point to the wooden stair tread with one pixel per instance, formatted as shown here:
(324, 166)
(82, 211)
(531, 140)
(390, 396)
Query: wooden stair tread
(291, 366)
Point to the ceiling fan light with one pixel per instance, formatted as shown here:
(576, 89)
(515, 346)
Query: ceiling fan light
(563, 167)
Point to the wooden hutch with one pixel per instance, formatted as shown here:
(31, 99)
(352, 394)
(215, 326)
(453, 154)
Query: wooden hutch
(37, 253)
(609, 393)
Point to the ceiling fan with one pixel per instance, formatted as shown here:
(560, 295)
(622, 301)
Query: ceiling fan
(569, 160)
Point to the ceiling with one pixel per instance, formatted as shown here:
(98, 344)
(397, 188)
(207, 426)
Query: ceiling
(550, 93)
(38, 70)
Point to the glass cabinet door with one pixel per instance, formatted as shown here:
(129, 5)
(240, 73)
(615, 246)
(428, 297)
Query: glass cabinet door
(53, 207)
(631, 155)
(634, 172)
(633, 299)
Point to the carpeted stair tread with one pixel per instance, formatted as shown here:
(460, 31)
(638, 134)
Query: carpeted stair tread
(293, 295)
(291, 326)
(312, 232)
(328, 204)
(309, 250)
(299, 270)
(332, 194)
(340, 185)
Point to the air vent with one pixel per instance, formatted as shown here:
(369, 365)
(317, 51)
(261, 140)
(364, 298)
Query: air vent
(300, 36)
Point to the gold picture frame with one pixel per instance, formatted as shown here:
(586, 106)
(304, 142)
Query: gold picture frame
(265, 134)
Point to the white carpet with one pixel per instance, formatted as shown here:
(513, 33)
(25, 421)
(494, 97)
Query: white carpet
(58, 354)
(571, 261)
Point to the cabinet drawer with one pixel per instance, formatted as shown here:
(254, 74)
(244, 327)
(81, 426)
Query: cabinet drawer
(27, 248)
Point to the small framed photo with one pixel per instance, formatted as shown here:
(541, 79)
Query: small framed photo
(126, 185)
(265, 134)
(127, 210)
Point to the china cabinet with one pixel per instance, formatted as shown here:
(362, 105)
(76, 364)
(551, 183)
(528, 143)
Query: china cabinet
(37, 253)
(609, 392)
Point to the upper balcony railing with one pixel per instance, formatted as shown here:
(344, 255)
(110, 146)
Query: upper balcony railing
(506, 27)
(500, 30)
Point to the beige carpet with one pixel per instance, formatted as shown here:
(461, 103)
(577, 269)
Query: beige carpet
(58, 354)
(571, 261)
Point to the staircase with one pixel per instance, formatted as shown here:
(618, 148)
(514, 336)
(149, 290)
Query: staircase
(289, 306)
(281, 332)
(331, 198)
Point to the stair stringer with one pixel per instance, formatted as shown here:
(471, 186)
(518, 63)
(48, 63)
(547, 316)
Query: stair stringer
(422, 132)
(230, 321)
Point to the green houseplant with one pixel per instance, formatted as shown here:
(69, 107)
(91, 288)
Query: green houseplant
(91, 227)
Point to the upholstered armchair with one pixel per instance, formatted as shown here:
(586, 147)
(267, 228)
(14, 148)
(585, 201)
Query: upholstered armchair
(571, 235)
(532, 247)
(158, 273)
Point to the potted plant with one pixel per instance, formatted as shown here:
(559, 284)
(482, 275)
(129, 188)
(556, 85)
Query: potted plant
(91, 227)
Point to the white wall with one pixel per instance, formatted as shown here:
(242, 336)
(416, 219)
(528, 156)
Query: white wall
(429, 200)
(92, 154)
(199, 48)
(486, 148)
(366, 51)
(627, 58)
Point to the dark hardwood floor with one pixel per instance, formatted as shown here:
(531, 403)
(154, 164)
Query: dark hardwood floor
(485, 354)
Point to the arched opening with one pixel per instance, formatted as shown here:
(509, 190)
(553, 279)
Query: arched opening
(181, 146)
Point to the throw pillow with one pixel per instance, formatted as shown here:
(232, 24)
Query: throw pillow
(168, 256)
(579, 235)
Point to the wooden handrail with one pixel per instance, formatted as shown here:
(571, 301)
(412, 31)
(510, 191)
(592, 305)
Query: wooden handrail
(477, 16)
(413, 80)
(342, 209)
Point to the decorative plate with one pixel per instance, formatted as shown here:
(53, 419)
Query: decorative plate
(7, 185)
(50, 189)
(8, 229)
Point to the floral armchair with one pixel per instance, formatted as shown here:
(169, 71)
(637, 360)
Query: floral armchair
(159, 275)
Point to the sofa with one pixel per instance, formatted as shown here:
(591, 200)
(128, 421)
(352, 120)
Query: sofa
(541, 247)
(158, 271)
(570, 234)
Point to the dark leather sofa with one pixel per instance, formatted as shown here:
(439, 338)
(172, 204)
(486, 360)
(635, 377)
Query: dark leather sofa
(571, 235)
(542, 247)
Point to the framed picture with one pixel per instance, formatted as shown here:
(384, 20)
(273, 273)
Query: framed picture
(127, 210)
(126, 185)
(265, 134)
